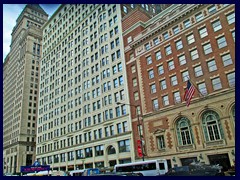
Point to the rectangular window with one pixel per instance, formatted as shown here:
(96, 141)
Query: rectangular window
(115, 82)
(118, 111)
(134, 82)
(161, 142)
(212, 9)
(118, 54)
(160, 69)
(124, 110)
(194, 54)
(110, 22)
(203, 32)
(124, 146)
(163, 84)
(158, 55)
(156, 41)
(222, 42)
(111, 130)
(117, 41)
(119, 128)
(174, 80)
(187, 23)
(216, 25)
(227, 60)
(182, 60)
(190, 39)
(202, 89)
(136, 96)
(168, 50)
(176, 30)
(207, 48)
(233, 35)
(231, 79)
(125, 126)
(185, 76)
(153, 88)
(179, 44)
(199, 17)
(165, 100)
(165, 35)
(106, 132)
(147, 46)
(149, 60)
(133, 68)
(198, 71)
(99, 150)
(155, 104)
(216, 83)
(212, 65)
(125, 9)
(231, 18)
(120, 78)
(88, 152)
(150, 74)
(171, 65)
(177, 98)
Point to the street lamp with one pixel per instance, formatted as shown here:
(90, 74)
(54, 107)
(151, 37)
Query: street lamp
(140, 133)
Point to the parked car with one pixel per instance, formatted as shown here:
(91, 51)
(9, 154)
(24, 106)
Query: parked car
(116, 174)
(91, 171)
(196, 169)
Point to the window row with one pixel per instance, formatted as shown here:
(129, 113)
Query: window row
(211, 127)
(122, 147)
(216, 85)
(216, 25)
(194, 54)
(211, 64)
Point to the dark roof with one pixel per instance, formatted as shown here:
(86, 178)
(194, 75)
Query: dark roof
(36, 7)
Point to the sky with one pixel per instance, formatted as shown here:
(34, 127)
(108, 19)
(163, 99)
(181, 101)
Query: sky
(10, 15)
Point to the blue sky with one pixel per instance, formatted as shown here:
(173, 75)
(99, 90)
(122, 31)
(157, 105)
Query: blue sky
(10, 15)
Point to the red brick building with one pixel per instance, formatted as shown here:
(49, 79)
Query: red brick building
(184, 41)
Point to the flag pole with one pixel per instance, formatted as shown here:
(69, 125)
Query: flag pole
(195, 86)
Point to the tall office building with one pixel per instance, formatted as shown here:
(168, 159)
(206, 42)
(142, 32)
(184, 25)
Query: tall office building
(20, 95)
(186, 41)
(83, 76)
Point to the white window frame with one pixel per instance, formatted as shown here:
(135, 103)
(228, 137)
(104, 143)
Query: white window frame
(203, 32)
(221, 41)
(190, 39)
(216, 83)
(207, 48)
(198, 71)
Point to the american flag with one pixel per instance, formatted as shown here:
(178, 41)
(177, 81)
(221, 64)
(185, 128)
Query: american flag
(189, 92)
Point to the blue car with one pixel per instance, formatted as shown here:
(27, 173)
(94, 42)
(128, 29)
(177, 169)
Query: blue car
(91, 172)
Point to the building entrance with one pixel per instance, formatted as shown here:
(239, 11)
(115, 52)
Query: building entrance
(221, 159)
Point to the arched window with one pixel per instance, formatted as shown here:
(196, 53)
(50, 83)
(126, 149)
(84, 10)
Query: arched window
(111, 150)
(184, 132)
(212, 128)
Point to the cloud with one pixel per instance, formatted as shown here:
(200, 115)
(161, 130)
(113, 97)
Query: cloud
(10, 15)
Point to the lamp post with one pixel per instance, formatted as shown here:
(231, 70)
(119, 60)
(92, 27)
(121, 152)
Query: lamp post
(140, 133)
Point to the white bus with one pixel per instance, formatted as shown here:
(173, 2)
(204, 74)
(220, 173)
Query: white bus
(146, 168)
(78, 172)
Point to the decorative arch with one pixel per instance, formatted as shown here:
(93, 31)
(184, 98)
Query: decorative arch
(184, 131)
(175, 120)
(233, 112)
(211, 125)
(111, 150)
(208, 108)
